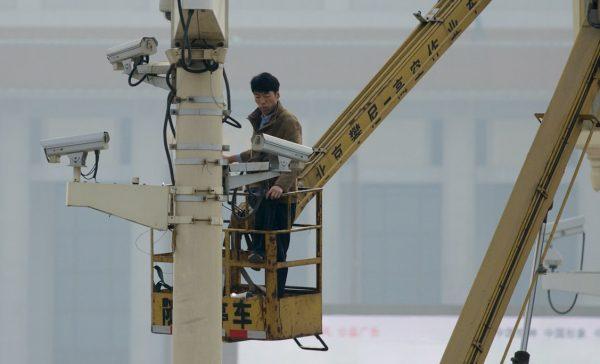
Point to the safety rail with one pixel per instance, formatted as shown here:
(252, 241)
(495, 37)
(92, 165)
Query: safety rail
(260, 312)
(235, 257)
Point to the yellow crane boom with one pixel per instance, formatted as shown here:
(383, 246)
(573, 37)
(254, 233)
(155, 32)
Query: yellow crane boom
(528, 204)
(535, 187)
(436, 32)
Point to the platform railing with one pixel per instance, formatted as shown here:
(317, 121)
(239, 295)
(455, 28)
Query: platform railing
(235, 258)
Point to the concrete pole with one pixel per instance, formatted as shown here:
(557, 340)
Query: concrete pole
(197, 277)
(197, 260)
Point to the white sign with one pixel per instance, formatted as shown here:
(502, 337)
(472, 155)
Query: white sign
(422, 339)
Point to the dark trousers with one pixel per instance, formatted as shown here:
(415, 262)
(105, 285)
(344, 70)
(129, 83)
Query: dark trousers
(274, 215)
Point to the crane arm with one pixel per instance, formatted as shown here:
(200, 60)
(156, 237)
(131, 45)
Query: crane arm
(535, 187)
(528, 204)
(435, 33)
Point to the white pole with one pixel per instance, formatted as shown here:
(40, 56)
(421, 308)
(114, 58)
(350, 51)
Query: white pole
(197, 258)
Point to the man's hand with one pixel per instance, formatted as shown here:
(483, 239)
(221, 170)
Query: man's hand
(231, 158)
(274, 192)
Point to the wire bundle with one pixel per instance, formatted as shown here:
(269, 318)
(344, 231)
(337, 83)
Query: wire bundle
(91, 174)
(141, 60)
(169, 121)
(186, 63)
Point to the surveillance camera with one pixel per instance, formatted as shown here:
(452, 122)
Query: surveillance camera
(281, 147)
(553, 259)
(76, 147)
(132, 50)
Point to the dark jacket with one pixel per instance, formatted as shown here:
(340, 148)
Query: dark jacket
(282, 125)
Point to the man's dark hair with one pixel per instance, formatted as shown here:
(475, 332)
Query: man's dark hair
(264, 82)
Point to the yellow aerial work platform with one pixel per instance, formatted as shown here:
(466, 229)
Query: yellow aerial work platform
(264, 314)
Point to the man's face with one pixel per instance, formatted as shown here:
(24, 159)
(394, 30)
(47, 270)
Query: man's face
(266, 101)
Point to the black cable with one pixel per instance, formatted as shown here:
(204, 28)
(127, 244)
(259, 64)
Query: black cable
(187, 45)
(241, 214)
(97, 153)
(576, 294)
(169, 77)
(228, 91)
(87, 176)
(232, 122)
(209, 66)
(142, 60)
(170, 98)
(558, 311)
(228, 119)
(90, 172)
(171, 126)
(94, 170)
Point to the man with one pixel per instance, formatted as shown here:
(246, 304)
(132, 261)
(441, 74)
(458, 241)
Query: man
(273, 213)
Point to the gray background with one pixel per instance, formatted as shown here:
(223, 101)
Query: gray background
(408, 218)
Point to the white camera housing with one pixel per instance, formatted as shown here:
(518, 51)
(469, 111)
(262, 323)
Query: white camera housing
(75, 147)
(281, 147)
(131, 50)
